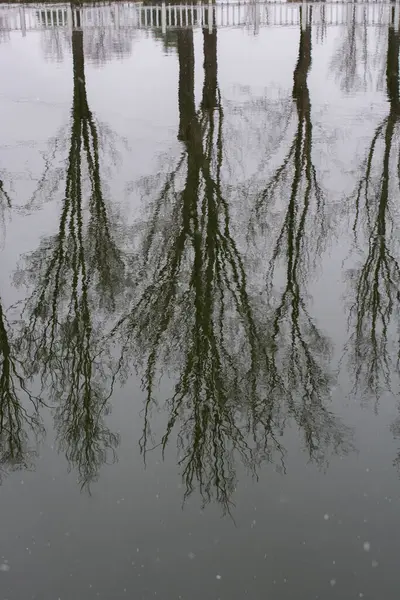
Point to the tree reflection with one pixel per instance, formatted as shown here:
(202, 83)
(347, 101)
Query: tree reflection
(19, 417)
(374, 282)
(352, 51)
(77, 277)
(5, 200)
(192, 313)
(291, 209)
(196, 316)
(19, 408)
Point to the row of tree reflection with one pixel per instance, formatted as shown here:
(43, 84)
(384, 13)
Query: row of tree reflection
(243, 351)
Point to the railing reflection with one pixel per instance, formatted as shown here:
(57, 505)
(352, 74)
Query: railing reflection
(133, 15)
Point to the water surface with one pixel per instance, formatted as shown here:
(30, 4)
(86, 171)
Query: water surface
(199, 319)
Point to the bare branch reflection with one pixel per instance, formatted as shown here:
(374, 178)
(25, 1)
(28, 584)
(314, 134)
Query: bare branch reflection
(5, 200)
(374, 283)
(351, 59)
(291, 210)
(195, 315)
(19, 408)
(77, 277)
(192, 314)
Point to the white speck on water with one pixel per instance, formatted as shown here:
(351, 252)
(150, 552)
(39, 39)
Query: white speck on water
(361, 595)
(4, 567)
(367, 546)
(334, 562)
(374, 564)
(253, 523)
(333, 582)
(326, 516)
(191, 555)
(218, 577)
(367, 469)
(137, 549)
(22, 482)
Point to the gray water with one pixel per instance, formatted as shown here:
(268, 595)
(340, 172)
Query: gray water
(200, 305)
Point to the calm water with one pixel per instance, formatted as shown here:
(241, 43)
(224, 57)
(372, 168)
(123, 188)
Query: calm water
(200, 305)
